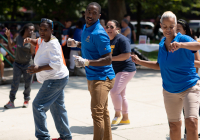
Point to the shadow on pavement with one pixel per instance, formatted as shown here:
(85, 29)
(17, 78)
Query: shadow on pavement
(2, 109)
(146, 73)
(86, 129)
(114, 127)
(168, 138)
(82, 129)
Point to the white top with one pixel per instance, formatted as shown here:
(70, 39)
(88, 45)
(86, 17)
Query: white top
(49, 53)
(3, 51)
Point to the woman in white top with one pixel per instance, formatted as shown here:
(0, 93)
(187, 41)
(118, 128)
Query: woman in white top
(51, 71)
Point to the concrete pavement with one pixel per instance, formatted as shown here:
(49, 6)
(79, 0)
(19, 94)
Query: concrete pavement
(146, 111)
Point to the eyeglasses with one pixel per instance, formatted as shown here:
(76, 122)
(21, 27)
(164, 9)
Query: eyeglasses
(111, 27)
(48, 21)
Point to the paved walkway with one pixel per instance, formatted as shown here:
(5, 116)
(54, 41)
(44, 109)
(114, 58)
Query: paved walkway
(146, 111)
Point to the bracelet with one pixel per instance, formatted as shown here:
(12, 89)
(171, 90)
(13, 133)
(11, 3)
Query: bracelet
(87, 62)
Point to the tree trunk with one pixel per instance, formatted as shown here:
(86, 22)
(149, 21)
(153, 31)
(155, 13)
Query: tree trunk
(116, 9)
(14, 10)
(139, 10)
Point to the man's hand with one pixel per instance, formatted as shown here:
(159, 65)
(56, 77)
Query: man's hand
(174, 46)
(135, 59)
(33, 69)
(80, 62)
(27, 40)
(7, 32)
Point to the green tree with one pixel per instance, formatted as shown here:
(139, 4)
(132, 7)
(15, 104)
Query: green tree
(61, 9)
(153, 8)
(116, 9)
(9, 9)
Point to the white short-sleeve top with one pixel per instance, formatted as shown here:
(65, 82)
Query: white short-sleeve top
(50, 53)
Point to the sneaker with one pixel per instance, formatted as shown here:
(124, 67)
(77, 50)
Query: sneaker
(25, 105)
(116, 120)
(124, 122)
(9, 105)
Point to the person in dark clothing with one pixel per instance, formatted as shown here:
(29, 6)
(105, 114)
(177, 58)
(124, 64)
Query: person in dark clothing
(82, 19)
(23, 59)
(133, 35)
(156, 28)
(126, 30)
(124, 69)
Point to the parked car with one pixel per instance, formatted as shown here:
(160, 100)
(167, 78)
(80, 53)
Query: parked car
(194, 24)
(146, 28)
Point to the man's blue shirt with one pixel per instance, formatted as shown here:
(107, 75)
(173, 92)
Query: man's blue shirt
(95, 43)
(177, 68)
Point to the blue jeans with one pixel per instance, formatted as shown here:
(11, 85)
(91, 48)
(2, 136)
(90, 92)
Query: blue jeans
(51, 96)
(18, 70)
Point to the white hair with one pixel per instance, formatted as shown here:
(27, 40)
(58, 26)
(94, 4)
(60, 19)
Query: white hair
(168, 14)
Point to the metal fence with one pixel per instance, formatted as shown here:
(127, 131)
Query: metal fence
(58, 32)
(57, 24)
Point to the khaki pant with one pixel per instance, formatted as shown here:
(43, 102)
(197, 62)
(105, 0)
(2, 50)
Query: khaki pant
(99, 106)
(188, 99)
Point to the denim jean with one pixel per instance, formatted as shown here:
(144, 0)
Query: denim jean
(18, 70)
(51, 96)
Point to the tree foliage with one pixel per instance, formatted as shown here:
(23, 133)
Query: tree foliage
(61, 9)
(157, 7)
(153, 8)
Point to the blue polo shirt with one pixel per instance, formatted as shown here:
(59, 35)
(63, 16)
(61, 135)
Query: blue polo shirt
(177, 69)
(95, 43)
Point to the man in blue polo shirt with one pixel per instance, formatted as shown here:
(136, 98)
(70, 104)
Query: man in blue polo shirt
(97, 59)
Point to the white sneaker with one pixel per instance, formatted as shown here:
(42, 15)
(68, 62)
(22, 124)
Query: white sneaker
(26, 103)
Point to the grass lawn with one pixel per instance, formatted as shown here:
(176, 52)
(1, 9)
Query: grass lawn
(152, 56)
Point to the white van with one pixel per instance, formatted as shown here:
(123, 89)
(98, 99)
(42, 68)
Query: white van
(146, 28)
